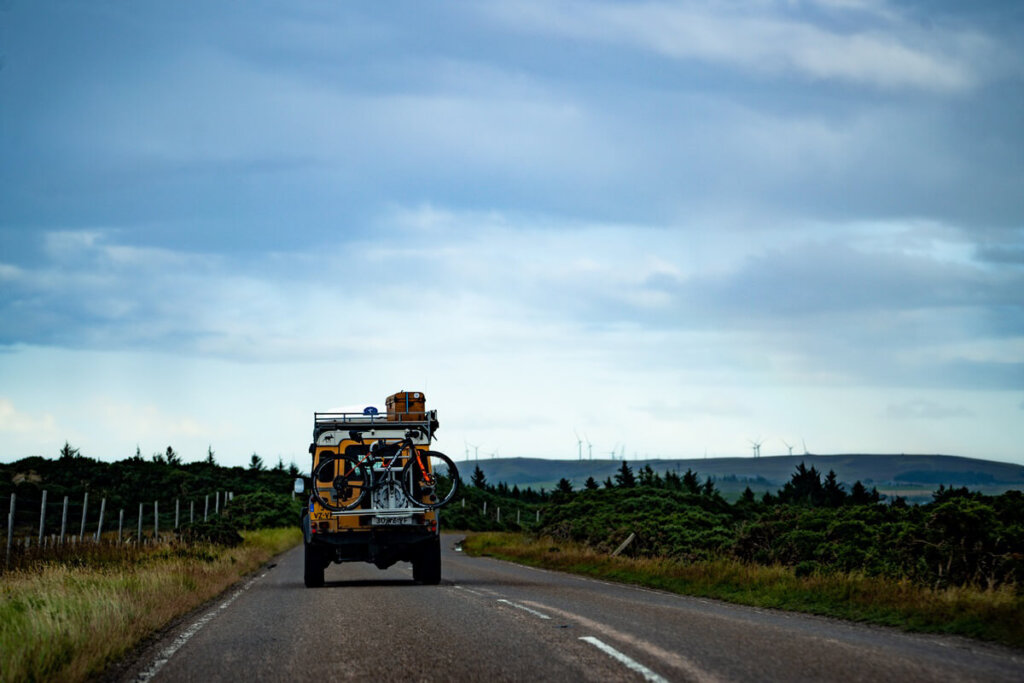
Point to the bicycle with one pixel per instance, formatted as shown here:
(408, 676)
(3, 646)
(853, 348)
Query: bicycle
(386, 465)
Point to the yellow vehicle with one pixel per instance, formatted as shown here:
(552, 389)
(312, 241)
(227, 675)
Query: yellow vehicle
(375, 489)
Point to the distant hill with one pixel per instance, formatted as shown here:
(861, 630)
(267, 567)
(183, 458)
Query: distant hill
(911, 476)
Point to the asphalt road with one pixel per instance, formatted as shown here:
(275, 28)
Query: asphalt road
(495, 621)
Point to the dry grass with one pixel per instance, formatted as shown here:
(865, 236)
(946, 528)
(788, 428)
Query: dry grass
(67, 622)
(996, 615)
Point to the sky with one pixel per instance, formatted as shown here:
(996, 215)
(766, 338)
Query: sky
(656, 229)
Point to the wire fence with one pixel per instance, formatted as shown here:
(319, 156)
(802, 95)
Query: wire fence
(44, 527)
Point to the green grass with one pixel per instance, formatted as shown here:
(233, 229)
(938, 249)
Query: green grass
(995, 615)
(65, 621)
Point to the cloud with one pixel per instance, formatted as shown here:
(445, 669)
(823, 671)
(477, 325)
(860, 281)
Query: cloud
(924, 409)
(12, 420)
(873, 48)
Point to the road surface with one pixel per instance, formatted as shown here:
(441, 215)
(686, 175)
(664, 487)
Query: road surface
(495, 621)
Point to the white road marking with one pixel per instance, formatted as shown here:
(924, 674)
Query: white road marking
(534, 612)
(628, 662)
(673, 659)
(470, 590)
(185, 635)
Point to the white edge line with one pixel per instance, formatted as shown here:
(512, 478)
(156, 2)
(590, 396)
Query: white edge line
(626, 661)
(534, 612)
(168, 652)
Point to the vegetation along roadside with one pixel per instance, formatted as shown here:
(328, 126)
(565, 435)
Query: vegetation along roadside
(67, 618)
(954, 565)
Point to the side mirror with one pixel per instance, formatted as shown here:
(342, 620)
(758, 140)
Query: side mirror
(300, 485)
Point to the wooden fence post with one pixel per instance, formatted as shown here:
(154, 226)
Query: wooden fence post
(85, 505)
(99, 527)
(138, 539)
(191, 511)
(206, 507)
(177, 512)
(120, 526)
(156, 521)
(64, 521)
(10, 530)
(42, 518)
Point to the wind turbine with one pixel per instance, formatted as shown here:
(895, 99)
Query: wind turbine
(757, 448)
(787, 446)
(612, 454)
(579, 445)
(805, 446)
(476, 450)
(590, 448)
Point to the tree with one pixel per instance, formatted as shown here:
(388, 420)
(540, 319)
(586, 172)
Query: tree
(748, 495)
(690, 483)
(172, 457)
(67, 452)
(624, 477)
(564, 486)
(858, 494)
(209, 456)
(803, 488)
(709, 487)
(608, 484)
(478, 479)
(590, 484)
(279, 467)
(833, 490)
(256, 463)
(648, 477)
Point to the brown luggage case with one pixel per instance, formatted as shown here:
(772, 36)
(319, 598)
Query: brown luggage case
(407, 406)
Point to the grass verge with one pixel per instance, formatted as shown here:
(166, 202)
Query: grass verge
(995, 615)
(67, 622)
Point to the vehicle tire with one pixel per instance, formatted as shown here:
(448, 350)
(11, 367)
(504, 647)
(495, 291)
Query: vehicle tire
(344, 477)
(426, 566)
(423, 483)
(314, 567)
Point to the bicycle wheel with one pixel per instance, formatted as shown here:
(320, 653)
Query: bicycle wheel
(340, 483)
(429, 479)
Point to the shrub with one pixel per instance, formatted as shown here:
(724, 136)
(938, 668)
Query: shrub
(263, 510)
(219, 529)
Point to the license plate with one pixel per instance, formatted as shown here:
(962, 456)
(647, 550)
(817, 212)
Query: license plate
(392, 521)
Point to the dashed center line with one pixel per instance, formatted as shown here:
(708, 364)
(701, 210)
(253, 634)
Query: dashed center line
(628, 662)
(534, 612)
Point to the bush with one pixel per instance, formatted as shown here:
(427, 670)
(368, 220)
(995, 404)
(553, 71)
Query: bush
(219, 530)
(263, 510)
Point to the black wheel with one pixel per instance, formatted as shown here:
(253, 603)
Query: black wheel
(340, 482)
(429, 479)
(314, 567)
(426, 566)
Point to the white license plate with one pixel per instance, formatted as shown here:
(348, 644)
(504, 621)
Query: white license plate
(391, 521)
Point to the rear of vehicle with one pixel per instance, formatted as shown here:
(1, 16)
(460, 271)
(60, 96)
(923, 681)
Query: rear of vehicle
(367, 508)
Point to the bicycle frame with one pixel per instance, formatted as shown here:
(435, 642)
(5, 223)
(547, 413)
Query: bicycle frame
(385, 475)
